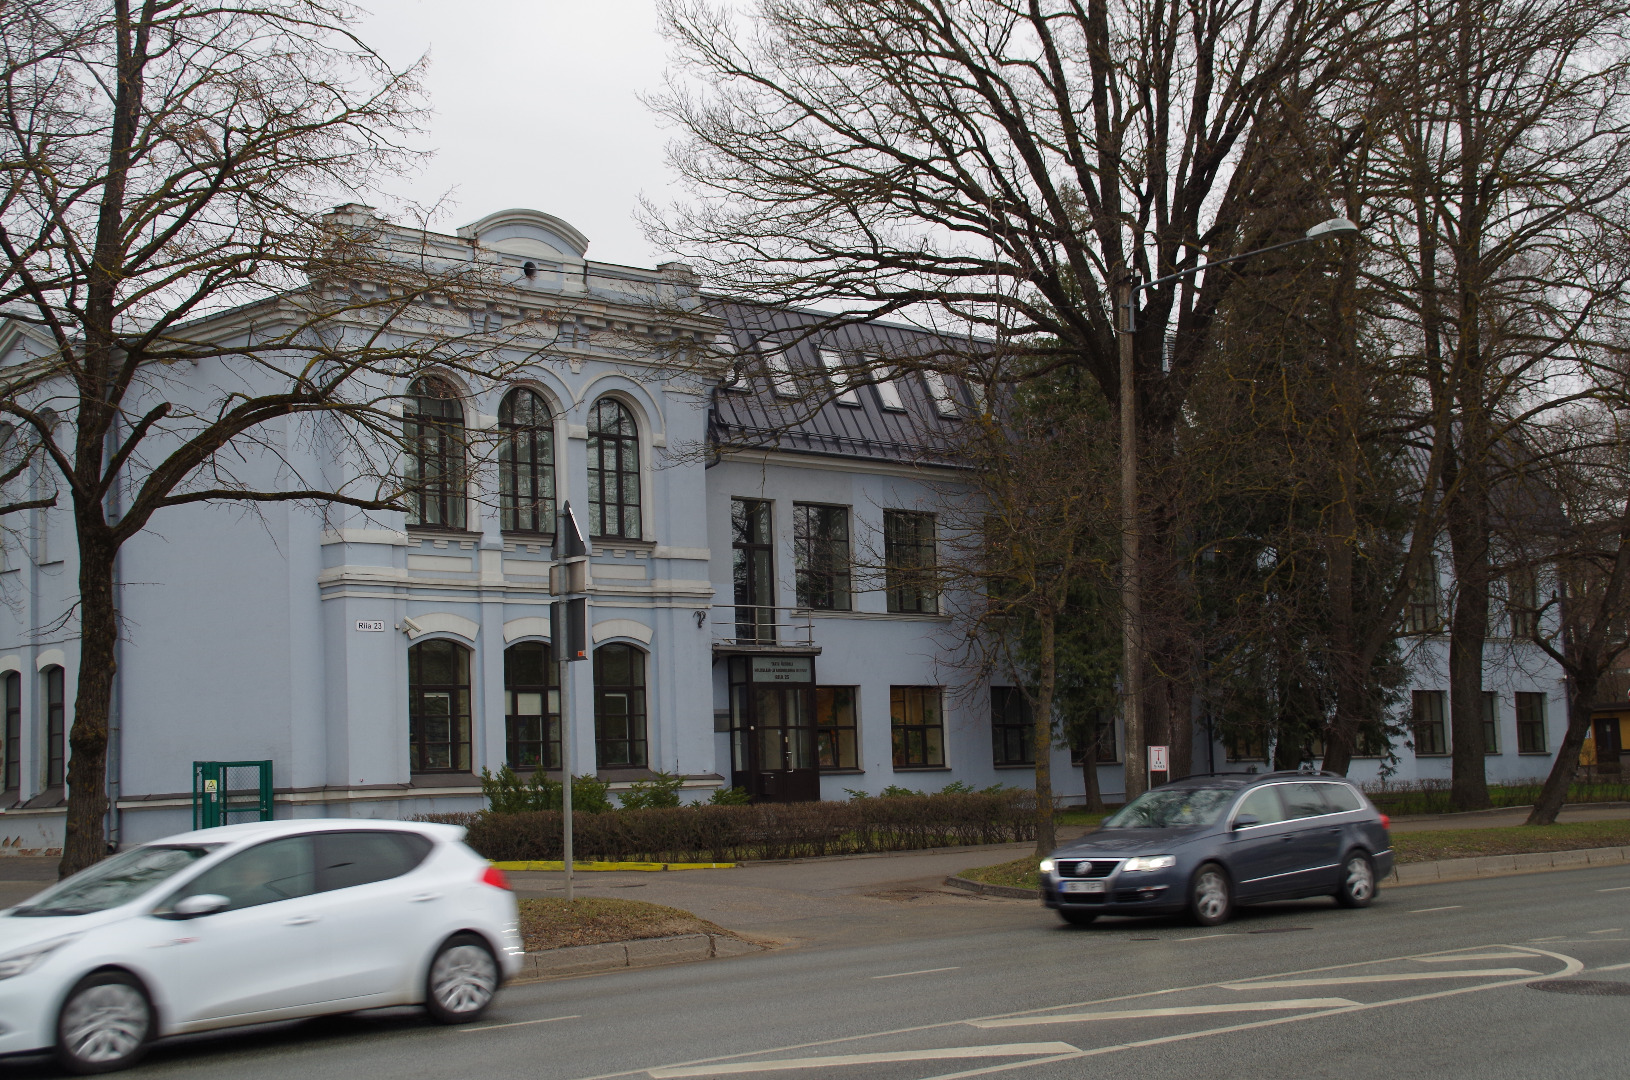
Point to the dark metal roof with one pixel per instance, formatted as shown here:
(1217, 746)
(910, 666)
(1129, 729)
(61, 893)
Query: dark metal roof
(750, 414)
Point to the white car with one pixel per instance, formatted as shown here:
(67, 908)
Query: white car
(249, 923)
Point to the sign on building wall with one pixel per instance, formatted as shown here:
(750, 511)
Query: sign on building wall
(371, 626)
(783, 669)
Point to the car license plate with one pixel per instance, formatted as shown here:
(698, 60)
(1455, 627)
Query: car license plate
(1083, 886)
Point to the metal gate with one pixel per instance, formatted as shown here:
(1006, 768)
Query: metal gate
(229, 792)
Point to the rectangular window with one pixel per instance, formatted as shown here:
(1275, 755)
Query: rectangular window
(1421, 613)
(918, 726)
(837, 735)
(888, 392)
(56, 734)
(1107, 750)
(820, 548)
(753, 570)
(781, 377)
(1427, 721)
(1491, 722)
(908, 562)
(941, 394)
(832, 363)
(1531, 723)
(11, 754)
(1522, 604)
(1012, 727)
(1246, 744)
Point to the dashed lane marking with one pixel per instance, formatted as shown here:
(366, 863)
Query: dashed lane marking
(940, 1053)
(1610, 930)
(924, 971)
(518, 1023)
(1207, 937)
(1455, 958)
(1178, 1010)
(1446, 907)
(1621, 888)
(1358, 980)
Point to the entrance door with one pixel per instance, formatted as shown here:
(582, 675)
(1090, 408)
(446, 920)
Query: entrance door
(772, 722)
(1609, 744)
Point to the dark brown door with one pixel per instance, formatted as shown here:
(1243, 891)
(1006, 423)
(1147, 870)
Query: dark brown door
(1609, 744)
(774, 734)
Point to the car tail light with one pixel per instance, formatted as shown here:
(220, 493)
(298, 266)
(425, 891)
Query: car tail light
(494, 877)
(1386, 822)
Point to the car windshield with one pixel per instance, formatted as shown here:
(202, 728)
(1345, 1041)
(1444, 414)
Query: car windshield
(1172, 808)
(114, 881)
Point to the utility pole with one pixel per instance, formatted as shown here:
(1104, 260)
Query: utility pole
(568, 634)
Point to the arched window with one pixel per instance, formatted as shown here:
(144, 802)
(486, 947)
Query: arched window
(526, 464)
(11, 754)
(439, 706)
(619, 706)
(531, 707)
(56, 732)
(433, 428)
(614, 471)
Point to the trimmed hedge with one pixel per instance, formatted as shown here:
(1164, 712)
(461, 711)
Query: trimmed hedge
(762, 831)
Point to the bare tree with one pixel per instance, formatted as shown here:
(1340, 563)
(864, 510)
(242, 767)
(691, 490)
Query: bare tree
(204, 331)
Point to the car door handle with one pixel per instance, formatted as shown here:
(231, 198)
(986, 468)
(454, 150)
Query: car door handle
(301, 920)
(424, 897)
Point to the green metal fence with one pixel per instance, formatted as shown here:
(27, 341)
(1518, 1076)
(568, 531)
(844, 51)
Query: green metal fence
(228, 792)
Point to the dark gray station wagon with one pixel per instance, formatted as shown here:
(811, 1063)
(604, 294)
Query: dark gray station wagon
(1206, 843)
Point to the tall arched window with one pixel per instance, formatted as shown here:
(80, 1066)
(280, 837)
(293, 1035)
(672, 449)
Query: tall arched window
(11, 754)
(614, 471)
(56, 731)
(619, 706)
(526, 464)
(433, 427)
(439, 706)
(531, 707)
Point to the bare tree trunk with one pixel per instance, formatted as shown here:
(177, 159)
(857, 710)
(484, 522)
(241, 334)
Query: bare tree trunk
(1468, 527)
(1046, 835)
(1581, 692)
(1093, 798)
(84, 839)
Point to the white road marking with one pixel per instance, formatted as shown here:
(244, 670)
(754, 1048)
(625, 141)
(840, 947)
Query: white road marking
(1355, 980)
(940, 1053)
(1178, 1010)
(1612, 967)
(1207, 937)
(924, 971)
(1457, 957)
(1449, 907)
(1611, 930)
(1621, 888)
(518, 1023)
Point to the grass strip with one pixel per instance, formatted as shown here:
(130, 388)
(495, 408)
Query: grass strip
(1414, 847)
(548, 923)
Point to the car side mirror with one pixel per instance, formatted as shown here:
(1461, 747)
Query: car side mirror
(199, 904)
(1245, 821)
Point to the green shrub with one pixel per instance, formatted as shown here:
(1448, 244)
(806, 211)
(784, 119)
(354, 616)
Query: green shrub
(661, 790)
(730, 796)
(507, 793)
(730, 833)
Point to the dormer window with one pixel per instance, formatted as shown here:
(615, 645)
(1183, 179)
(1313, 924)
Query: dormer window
(781, 377)
(940, 392)
(888, 392)
(833, 365)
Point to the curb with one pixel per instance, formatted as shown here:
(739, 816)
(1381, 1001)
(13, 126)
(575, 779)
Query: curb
(1407, 874)
(646, 952)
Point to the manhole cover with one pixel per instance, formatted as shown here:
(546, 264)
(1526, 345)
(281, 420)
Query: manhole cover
(1588, 987)
(1279, 930)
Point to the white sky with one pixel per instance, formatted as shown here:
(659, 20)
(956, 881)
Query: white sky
(535, 106)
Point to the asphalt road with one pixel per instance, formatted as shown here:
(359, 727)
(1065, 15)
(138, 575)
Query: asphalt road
(1432, 981)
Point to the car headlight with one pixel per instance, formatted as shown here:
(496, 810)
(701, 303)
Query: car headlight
(1150, 862)
(17, 963)
(1046, 866)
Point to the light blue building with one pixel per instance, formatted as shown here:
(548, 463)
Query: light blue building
(753, 612)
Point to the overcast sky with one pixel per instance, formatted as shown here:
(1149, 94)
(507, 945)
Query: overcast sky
(536, 106)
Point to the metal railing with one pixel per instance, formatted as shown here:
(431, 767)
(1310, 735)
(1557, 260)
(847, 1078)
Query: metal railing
(762, 624)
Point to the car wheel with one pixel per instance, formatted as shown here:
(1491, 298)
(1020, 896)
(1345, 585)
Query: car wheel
(1077, 918)
(1357, 886)
(462, 981)
(105, 1024)
(1211, 897)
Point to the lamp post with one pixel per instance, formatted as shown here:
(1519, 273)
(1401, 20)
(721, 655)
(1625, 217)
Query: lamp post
(1126, 291)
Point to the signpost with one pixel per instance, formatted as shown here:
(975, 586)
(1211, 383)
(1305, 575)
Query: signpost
(1158, 763)
(568, 633)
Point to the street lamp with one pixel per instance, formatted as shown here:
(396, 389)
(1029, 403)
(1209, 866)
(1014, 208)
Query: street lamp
(1126, 291)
